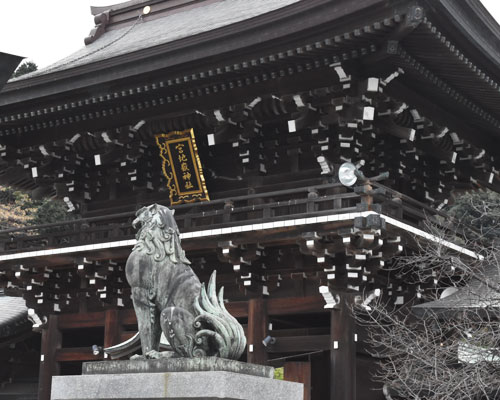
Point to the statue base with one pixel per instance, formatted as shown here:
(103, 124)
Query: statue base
(177, 378)
(180, 364)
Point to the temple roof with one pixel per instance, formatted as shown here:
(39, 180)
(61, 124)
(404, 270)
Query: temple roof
(144, 32)
(448, 51)
(13, 315)
(481, 292)
(461, 39)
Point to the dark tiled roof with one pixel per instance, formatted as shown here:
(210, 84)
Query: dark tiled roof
(481, 292)
(145, 34)
(13, 315)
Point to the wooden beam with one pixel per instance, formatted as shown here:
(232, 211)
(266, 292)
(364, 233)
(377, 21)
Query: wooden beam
(298, 344)
(281, 306)
(289, 332)
(342, 352)
(238, 308)
(112, 328)
(84, 320)
(77, 354)
(299, 372)
(257, 331)
(49, 366)
(295, 305)
(277, 306)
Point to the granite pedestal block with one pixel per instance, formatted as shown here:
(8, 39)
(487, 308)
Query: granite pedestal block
(176, 365)
(204, 379)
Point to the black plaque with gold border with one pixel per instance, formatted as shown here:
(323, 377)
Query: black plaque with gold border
(182, 166)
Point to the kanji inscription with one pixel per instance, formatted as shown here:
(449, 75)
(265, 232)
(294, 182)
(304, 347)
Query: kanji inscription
(182, 167)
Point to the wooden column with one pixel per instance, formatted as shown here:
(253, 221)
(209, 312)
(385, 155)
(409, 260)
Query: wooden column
(299, 372)
(342, 352)
(112, 328)
(320, 375)
(257, 331)
(51, 341)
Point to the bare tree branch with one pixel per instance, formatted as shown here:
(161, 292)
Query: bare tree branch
(448, 349)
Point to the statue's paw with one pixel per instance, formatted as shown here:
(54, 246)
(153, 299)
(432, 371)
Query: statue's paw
(153, 355)
(138, 357)
(168, 354)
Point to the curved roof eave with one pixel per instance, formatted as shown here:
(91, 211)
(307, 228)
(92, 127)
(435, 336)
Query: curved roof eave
(13, 316)
(472, 28)
(273, 27)
(466, 23)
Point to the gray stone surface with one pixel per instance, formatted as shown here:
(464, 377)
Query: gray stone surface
(174, 385)
(176, 365)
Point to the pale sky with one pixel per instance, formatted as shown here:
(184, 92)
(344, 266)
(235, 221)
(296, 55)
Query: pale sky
(45, 31)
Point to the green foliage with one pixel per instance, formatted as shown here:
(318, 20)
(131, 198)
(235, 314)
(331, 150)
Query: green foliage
(279, 373)
(18, 209)
(49, 211)
(25, 68)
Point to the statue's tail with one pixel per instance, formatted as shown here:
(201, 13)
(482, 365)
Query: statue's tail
(214, 325)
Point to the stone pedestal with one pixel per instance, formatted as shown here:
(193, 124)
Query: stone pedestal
(179, 379)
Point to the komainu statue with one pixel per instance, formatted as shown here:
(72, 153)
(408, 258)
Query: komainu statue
(169, 297)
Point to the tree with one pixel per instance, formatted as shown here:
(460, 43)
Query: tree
(19, 209)
(16, 208)
(49, 211)
(480, 210)
(25, 68)
(443, 344)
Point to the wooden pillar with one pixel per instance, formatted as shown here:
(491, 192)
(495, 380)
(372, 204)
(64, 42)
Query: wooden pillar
(320, 376)
(299, 372)
(257, 331)
(342, 352)
(112, 328)
(51, 341)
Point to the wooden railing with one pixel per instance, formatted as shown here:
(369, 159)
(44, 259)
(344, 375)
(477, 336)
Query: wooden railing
(261, 208)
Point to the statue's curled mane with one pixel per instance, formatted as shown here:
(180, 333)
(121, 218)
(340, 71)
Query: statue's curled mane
(159, 235)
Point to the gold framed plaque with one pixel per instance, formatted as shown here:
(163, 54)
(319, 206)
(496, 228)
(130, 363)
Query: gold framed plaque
(181, 166)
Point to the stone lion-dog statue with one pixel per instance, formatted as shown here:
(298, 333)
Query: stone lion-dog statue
(168, 296)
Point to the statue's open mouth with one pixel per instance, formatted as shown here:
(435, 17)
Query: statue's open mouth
(136, 223)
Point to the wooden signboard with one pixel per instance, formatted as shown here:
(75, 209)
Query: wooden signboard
(182, 167)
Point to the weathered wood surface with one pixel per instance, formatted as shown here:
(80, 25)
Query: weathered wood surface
(297, 371)
(343, 352)
(49, 364)
(214, 215)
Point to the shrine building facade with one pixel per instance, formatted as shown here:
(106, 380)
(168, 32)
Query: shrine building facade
(238, 114)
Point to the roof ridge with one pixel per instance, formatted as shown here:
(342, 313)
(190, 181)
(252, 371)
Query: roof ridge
(124, 14)
(126, 5)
